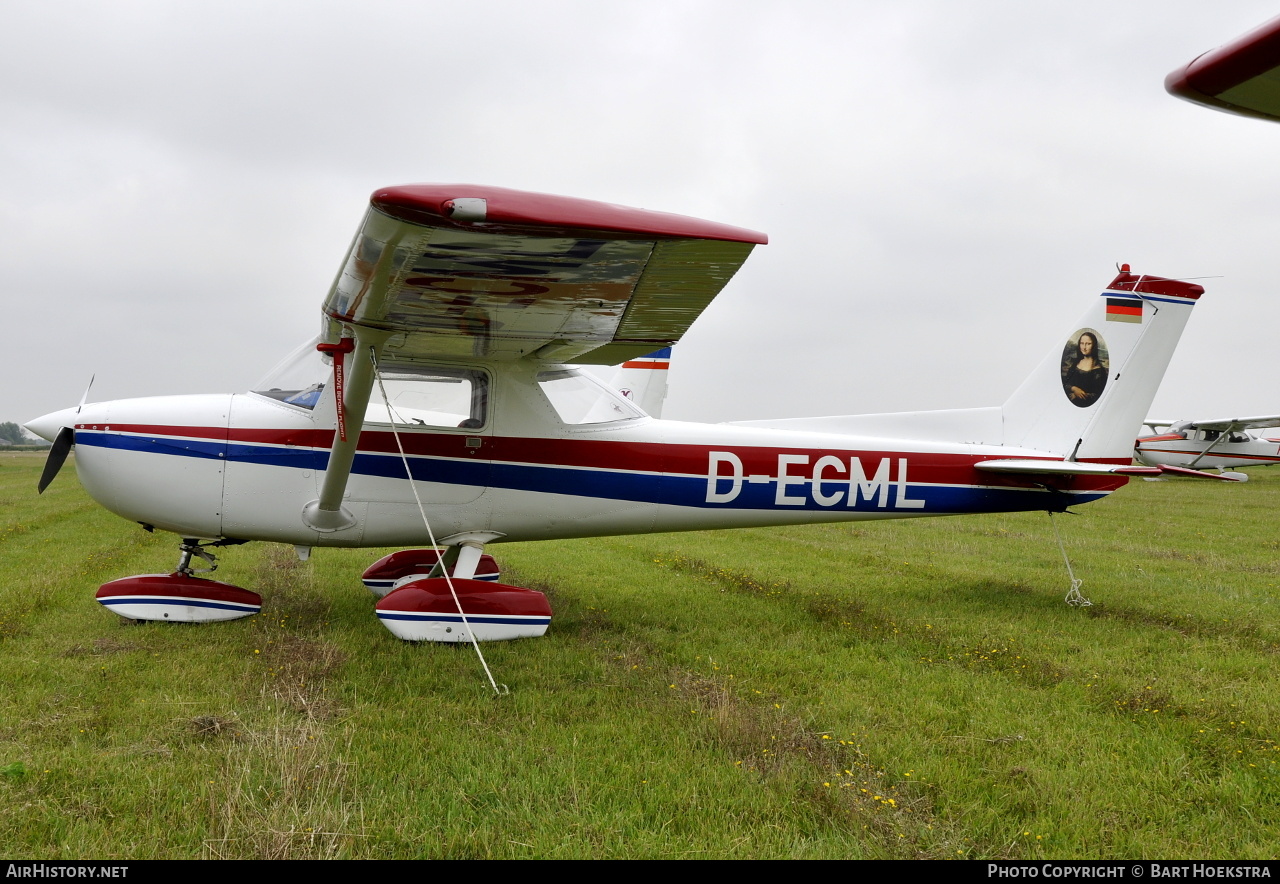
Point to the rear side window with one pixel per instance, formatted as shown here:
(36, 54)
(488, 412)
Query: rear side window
(580, 399)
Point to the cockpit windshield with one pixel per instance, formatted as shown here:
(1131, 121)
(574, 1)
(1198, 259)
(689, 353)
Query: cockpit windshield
(299, 378)
(416, 396)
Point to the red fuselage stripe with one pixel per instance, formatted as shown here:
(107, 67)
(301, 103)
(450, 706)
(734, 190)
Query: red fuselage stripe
(645, 457)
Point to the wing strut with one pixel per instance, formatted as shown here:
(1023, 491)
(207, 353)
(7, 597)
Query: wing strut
(1221, 436)
(326, 514)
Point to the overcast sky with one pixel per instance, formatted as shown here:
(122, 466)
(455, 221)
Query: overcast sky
(946, 185)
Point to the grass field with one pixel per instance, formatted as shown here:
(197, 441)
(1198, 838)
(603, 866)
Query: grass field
(902, 689)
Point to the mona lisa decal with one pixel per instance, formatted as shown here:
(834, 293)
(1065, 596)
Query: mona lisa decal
(1084, 367)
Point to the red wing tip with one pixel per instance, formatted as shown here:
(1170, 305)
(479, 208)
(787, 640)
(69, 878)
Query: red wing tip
(1207, 77)
(501, 207)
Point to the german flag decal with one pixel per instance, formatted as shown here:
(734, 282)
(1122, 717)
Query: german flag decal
(1124, 310)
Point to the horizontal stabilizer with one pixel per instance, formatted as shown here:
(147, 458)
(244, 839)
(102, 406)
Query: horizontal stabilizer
(1031, 466)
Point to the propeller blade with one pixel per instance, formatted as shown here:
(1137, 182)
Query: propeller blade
(57, 456)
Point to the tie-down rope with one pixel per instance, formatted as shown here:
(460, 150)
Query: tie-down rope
(1074, 597)
(499, 690)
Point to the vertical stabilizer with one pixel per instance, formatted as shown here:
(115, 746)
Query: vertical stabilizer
(1088, 398)
(644, 380)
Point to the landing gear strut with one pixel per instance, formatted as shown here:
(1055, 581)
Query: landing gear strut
(192, 547)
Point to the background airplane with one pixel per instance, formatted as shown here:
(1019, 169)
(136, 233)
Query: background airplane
(1221, 444)
(644, 380)
(1240, 77)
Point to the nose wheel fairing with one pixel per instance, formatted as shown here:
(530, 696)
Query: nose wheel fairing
(177, 598)
(180, 597)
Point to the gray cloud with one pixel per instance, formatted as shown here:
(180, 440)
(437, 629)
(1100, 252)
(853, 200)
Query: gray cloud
(944, 184)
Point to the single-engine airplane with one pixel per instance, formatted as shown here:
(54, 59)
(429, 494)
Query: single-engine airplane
(1209, 444)
(446, 354)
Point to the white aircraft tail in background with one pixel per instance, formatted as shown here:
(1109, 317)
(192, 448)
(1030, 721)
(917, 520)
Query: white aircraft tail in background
(643, 380)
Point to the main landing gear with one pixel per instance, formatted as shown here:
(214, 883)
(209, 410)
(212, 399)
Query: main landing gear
(416, 600)
(180, 597)
(418, 603)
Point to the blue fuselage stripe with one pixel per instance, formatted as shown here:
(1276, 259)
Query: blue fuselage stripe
(457, 618)
(670, 490)
(161, 600)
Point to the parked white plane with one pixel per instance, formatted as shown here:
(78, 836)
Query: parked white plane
(1220, 444)
(444, 355)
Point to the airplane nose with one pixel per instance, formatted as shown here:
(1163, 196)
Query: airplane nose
(48, 426)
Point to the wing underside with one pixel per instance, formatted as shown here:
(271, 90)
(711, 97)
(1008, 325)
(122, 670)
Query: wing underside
(515, 275)
(1241, 77)
(1233, 424)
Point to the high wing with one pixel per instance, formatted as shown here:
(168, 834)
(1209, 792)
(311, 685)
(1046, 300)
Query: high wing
(1241, 77)
(463, 270)
(440, 270)
(1232, 424)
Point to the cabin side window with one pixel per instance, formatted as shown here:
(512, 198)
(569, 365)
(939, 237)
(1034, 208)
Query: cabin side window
(430, 397)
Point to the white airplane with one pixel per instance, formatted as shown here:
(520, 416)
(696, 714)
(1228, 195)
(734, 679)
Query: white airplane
(1209, 444)
(445, 354)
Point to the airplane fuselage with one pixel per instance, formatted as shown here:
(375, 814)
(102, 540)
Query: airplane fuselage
(244, 466)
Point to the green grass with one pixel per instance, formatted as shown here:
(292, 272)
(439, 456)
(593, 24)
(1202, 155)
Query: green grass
(899, 689)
